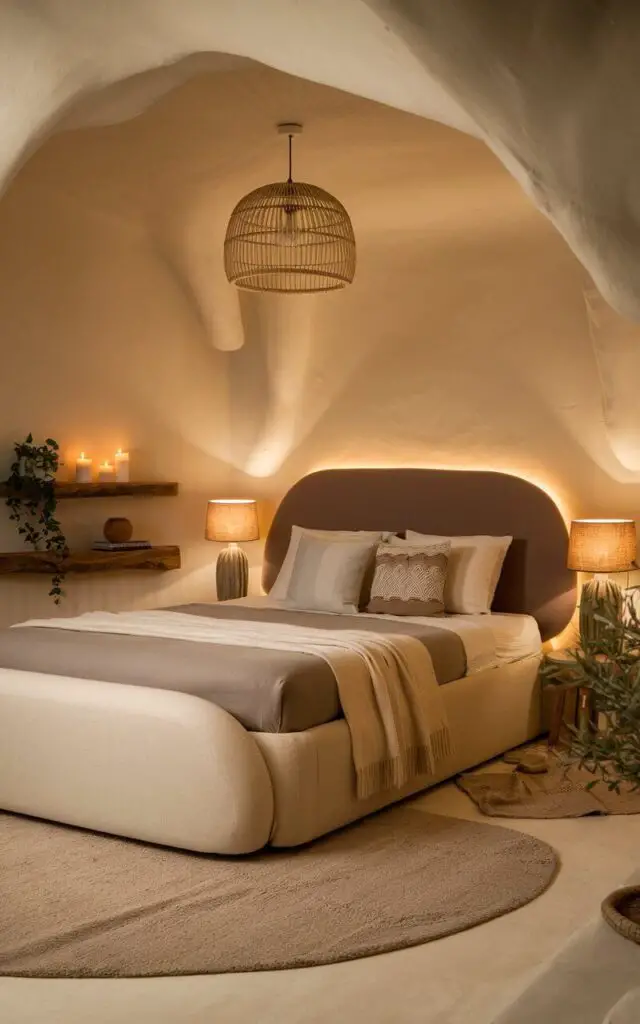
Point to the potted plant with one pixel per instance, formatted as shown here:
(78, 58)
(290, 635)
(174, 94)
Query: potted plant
(609, 669)
(32, 502)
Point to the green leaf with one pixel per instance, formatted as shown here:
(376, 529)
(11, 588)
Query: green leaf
(32, 501)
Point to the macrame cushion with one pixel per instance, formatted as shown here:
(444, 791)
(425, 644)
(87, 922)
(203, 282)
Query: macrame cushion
(409, 580)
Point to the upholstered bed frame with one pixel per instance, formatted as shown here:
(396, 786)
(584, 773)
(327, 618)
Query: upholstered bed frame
(171, 768)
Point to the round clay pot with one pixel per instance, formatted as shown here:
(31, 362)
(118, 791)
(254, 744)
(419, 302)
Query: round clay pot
(117, 530)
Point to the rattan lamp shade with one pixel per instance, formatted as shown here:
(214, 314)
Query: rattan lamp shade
(232, 520)
(290, 237)
(602, 545)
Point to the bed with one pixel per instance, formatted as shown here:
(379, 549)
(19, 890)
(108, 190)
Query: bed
(134, 757)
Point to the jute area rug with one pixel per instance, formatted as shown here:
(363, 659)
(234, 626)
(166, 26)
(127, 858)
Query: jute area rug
(78, 904)
(560, 792)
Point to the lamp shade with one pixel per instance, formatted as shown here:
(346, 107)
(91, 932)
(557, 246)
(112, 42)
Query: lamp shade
(232, 519)
(290, 237)
(602, 545)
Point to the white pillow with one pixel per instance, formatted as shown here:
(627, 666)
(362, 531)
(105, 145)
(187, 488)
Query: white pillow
(474, 569)
(279, 589)
(327, 575)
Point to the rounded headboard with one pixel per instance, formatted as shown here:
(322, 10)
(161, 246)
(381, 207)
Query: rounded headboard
(535, 579)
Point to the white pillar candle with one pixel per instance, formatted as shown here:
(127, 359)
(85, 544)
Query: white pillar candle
(122, 466)
(83, 469)
(106, 473)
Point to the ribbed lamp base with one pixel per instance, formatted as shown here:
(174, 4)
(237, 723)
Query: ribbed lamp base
(232, 573)
(598, 597)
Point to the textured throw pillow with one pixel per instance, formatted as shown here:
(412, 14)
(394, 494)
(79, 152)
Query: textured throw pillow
(409, 580)
(327, 575)
(279, 589)
(473, 572)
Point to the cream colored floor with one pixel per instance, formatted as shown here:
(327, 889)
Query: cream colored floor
(464, 979)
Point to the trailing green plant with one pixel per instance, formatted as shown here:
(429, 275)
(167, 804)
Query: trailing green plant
(609, 669)
(32, 502)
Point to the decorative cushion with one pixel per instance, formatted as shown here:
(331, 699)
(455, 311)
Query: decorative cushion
(473, 572)
(327, 575)
(409, 580)
(279, 589)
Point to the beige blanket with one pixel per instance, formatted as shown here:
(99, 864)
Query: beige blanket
(388, 690)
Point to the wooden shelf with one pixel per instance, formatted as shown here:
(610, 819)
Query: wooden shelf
(71, 489)
(159, 559)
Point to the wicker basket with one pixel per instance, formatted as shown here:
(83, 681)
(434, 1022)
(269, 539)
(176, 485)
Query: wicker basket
(621, 910)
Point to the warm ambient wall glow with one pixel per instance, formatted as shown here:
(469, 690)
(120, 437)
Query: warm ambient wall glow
(453, 347)
(567, 637)
(462, 467)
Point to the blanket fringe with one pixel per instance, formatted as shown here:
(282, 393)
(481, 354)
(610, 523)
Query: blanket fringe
(396, 772)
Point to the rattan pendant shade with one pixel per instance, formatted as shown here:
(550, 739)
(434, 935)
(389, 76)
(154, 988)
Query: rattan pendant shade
(290, 237)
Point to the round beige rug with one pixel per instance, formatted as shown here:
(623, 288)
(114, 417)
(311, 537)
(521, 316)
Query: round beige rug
(78, 904)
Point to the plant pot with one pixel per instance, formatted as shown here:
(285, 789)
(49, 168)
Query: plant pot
(117, 530)
(621, 911)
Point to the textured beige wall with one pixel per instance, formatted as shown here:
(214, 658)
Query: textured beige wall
(551, 87)
(464, 340)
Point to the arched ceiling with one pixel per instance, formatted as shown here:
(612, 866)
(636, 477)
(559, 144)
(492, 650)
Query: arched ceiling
(551, 87)
(174, 173)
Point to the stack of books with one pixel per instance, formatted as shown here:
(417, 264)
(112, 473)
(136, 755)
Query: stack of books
(125, 545)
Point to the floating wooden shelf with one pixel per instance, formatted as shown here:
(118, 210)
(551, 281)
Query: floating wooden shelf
(160, 559)
(71, 489)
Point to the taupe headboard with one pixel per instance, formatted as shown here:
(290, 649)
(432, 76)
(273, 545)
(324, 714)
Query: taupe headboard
(534, 580)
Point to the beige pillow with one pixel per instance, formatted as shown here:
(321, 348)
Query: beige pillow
(279, 589)
(327, 575)
(473, 572)
(409, 580)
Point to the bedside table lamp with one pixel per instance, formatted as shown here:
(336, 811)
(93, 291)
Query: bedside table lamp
(600, 546)
(233, 520)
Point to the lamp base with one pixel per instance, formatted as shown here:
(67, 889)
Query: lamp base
(598, 596)
(232, 573)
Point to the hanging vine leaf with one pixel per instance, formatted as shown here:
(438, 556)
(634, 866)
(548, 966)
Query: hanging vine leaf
(32, 502)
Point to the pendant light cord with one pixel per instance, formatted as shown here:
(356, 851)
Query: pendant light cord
(290, 179)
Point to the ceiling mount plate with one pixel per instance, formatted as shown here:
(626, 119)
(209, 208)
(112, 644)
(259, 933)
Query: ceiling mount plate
(290, 128)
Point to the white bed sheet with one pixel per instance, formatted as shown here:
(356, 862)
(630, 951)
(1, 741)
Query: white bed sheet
(489, 640)
(516, 636)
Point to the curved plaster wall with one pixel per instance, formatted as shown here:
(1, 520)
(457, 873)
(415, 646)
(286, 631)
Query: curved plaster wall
(551, 87)
(464, 339)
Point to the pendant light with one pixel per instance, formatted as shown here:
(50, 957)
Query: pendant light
(290, 237)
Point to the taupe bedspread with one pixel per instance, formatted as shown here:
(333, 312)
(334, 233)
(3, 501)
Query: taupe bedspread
(267, 691)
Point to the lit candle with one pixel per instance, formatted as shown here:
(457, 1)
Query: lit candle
(83, 469)
(106, 473)
(122, 466)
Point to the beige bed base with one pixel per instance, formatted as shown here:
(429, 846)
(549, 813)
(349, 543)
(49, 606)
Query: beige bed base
(174, 769)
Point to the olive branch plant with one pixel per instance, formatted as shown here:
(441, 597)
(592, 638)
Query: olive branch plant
(609, 669)
(32, 502)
